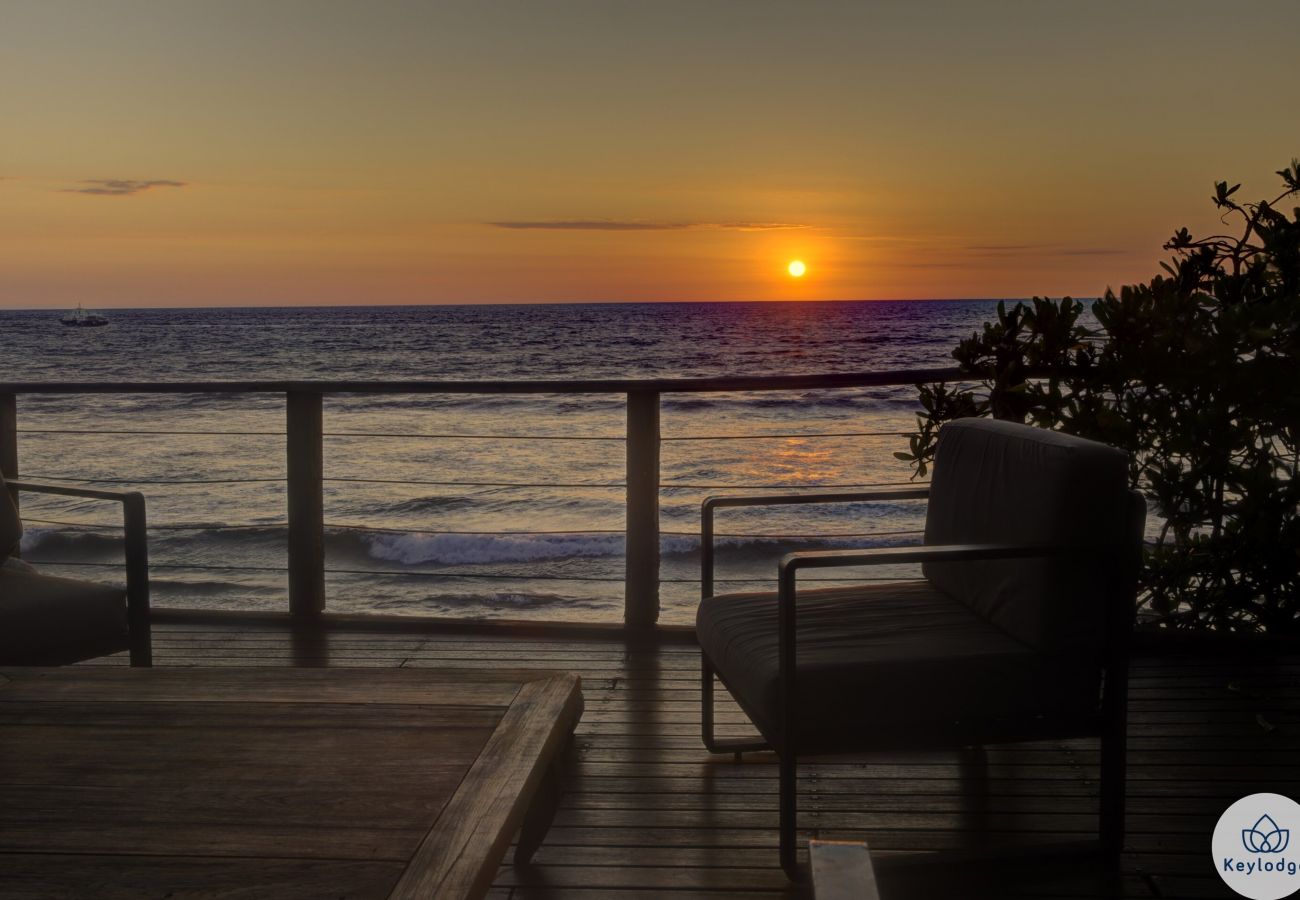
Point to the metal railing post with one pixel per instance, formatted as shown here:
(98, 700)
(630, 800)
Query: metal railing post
(641, 584)
(306, 465)
(9, 440)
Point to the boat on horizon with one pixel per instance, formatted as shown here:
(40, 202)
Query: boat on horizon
(79, 318)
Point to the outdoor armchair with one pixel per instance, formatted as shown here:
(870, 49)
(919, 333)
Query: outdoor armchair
(46, 620)
(1016, 631)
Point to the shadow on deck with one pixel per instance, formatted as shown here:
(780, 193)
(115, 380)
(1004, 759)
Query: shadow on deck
(647, 813)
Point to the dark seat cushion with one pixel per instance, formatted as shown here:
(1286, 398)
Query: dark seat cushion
(884, 664)
(52, 621)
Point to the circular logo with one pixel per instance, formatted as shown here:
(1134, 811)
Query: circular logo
(1252, 847)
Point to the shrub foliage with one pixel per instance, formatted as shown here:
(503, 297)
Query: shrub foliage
(1197, 375)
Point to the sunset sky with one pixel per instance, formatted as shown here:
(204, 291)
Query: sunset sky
(175, 153)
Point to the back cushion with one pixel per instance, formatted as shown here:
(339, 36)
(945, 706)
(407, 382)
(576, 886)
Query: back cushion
(1000, 482)
(11, 528)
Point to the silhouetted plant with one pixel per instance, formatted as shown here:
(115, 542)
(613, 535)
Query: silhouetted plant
(1197, 375)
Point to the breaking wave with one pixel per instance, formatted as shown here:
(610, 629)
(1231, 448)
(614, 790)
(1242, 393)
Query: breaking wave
(404, 549)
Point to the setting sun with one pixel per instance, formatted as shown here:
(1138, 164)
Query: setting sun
(796, 268)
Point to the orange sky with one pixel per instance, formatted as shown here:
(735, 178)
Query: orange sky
(176, 152)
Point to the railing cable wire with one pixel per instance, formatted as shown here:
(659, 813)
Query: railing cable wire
(666, 485)
(388, 529)
(401, 574)
(460, 436)
(151, 481)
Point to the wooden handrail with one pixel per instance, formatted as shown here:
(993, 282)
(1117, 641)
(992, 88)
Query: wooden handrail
(574, 386)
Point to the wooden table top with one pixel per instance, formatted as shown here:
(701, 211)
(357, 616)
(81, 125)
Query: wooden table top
(289, 783)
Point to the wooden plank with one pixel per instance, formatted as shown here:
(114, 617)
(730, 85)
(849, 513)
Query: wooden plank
(664, 878)
(459, 854)
(1078, 821)
(263, 685)
(75, 877)
(887, 804)
(722, 839)
(597, 789)
(242, 663)
(553, 853)
(545, 892)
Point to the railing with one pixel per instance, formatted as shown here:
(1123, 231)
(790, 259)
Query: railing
(304, 448)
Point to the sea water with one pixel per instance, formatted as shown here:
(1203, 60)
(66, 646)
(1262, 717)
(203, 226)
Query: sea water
(468, 505)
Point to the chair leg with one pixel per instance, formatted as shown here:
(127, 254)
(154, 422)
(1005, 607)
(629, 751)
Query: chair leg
(140, 644)
(712, 743)
(1114, 744)
(139, 638)
(136, 552)
(789, 825)
(973, 776)
(1113, 777)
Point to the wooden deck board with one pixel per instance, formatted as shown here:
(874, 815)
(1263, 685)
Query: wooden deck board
(647, 814)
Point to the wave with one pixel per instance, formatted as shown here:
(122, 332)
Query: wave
(345, 547)
(101, 545)
(70, 543)
(442, 601)
(187, 587)
(478, 549)
(431, 504)
(469, 549)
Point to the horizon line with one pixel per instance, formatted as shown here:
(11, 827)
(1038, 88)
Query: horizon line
(1022, 299)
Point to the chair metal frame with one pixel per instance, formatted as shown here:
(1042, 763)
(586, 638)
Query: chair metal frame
(1109, 723)
(136, 554)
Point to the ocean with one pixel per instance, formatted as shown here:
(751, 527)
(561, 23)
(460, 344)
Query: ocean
(463, 505)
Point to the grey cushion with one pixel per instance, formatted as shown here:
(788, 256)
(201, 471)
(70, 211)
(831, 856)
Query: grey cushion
(884, 658)
(998, 482)
(11, 527)
(51, 621)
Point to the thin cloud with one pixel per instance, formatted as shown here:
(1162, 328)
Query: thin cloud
(1039, 250)
(120, 187)
(1093, 251)
(752, 226)
(590, 225)
(624, 225)
(1006, 248)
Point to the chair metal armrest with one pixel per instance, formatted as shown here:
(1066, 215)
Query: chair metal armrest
(136, 554)
(791, 563)
(68, 490)
(712, 503)
(884, 556)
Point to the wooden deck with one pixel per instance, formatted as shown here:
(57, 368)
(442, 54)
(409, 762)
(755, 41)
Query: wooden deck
(647, 814)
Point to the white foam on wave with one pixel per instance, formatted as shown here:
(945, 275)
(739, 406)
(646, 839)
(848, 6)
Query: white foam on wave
(63, 538)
